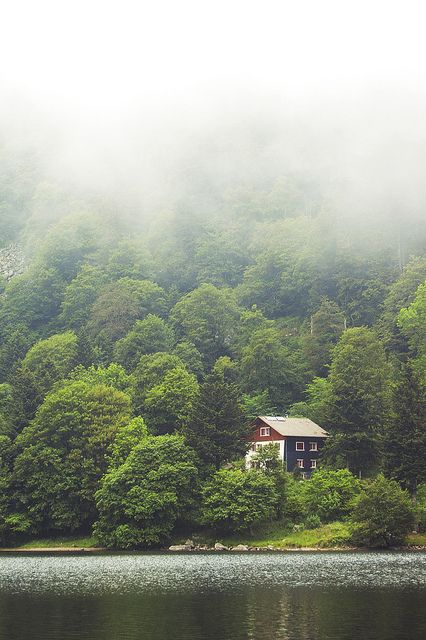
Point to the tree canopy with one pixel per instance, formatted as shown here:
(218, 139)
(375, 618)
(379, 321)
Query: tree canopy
(139, 343)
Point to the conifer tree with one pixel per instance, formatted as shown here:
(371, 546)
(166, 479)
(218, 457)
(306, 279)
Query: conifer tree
(327, 325)
(359, 400)
(404, 446)
(217, 429)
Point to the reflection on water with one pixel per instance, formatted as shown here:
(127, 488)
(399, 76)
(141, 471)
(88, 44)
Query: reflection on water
(297, 596)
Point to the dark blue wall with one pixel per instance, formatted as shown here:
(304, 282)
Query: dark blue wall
(292, 455)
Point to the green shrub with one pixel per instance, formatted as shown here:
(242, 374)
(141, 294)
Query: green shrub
(329, 494)
(312, 522)
(421, 507)
(235, 500)
(383, 514)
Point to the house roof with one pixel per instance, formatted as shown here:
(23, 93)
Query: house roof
(302, 427)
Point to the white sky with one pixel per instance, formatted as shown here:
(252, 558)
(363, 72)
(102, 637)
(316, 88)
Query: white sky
(103, 55)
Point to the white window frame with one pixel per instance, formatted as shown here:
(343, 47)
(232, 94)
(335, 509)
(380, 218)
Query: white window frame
(313, 464)
(265, 431)
(300, 463)
(313, 446)
(305, 475)
(300, 448)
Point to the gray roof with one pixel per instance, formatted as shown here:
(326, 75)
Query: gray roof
(302, 427)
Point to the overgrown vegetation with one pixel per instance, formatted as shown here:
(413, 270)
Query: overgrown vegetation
(135, 352)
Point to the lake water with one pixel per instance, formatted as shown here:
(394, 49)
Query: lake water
(274, 596)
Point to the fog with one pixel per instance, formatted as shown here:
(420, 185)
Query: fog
(152, 104)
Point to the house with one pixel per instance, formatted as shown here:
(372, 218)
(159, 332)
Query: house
(300, 441)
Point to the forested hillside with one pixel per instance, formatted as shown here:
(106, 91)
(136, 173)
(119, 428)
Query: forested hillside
(135, 347)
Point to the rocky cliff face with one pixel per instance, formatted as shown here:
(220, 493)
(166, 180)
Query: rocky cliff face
(11, 261)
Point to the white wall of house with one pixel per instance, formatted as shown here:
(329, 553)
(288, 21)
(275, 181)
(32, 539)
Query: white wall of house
(257, 445)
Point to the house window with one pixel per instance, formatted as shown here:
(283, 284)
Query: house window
(313, 446)
(305, 475)
(300, 463)
(300, 446)
(313, 464)
(265, 431)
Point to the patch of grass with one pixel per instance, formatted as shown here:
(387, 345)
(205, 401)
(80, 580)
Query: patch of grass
(416, 539)
(335, 534)
(263, 535)
(278, 535)
(45, 543)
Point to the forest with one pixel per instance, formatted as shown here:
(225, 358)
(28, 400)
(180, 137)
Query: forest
(136, 349)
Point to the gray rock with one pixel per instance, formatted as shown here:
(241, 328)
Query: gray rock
(11, 261)
(179, 547)
(220, 547)
(240, 547)
(190, 544)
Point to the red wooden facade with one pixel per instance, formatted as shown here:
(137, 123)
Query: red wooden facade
(256, 437)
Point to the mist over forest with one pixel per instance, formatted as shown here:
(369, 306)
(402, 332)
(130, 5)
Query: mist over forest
(361, 165)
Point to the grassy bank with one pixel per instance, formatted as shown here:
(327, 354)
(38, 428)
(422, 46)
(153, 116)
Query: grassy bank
(60, 543)
(416, 540)
(334, 534)
(278, 536)
(328, 536)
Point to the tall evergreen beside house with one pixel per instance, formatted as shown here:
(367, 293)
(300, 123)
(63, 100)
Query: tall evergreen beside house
(359, 401)
(404, 445)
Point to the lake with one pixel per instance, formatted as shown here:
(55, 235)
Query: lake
(253, 596)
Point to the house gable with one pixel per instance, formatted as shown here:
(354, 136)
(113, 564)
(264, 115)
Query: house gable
(257, 435)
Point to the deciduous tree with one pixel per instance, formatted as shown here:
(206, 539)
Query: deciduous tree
(383, 514)
(141, 500)
(150, 335)
(62, 455)
(208, 317)
(236, 500)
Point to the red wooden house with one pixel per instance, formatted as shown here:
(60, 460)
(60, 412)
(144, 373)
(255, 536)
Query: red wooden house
(300, 441)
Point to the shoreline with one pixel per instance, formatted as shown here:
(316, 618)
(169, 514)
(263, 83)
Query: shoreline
(65, 550)
(227, 551)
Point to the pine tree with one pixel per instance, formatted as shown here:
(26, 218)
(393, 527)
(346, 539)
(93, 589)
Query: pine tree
(404, 445)
(359, 400)
(327, 325)
(218, 430)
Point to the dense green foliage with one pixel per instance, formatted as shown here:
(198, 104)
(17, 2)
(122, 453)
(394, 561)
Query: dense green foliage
(62, 454)
(329, 494)
(216, 428)
(234, 500)
(141, 499)
(359, 399)
(135, 350)
(383, 514)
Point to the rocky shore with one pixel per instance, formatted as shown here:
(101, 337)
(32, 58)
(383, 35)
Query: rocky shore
(218, 546)
(190, 546)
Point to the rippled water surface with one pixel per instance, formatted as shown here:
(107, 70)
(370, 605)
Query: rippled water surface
(294, 596)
